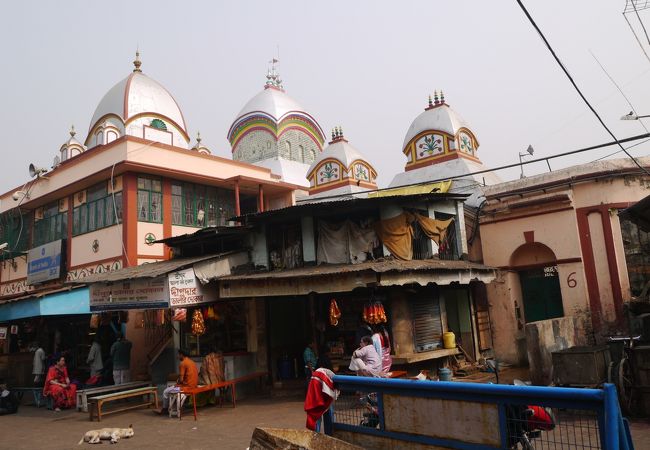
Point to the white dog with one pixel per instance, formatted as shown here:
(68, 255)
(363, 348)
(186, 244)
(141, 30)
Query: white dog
(114, 434)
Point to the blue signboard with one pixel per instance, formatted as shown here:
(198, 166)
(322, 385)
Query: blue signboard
(44, 262)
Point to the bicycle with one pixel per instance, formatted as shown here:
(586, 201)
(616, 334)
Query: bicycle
(621, 373)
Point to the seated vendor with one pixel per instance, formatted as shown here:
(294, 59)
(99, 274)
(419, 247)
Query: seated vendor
(189, 377)
(365, 360)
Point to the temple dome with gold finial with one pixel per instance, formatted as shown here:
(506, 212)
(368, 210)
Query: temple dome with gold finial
(340, 169)
(72, 147)
(272, 130)
(138, 106)
(439, 144)
(199, 147)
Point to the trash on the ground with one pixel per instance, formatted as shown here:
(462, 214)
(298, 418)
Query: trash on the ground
(290, 439)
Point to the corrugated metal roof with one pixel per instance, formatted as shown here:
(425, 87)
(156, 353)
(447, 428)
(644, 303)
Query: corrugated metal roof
(639, 213)
(328, 208)
(377, 266)
(205, 233)
(149, 270)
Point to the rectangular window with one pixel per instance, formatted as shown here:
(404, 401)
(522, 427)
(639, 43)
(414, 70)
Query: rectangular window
(53, 225)
(14, 230)
(201, 206)
(177, 204)
(98, 211)
(149, 200)
(427, 321)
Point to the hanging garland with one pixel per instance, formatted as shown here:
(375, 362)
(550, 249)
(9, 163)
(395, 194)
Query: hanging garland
(374, 313)
(335, 313)
(198, 325)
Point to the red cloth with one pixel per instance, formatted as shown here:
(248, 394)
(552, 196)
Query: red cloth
(320, 394)
(64, 397)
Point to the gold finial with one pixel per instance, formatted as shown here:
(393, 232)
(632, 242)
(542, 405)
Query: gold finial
(137, 63)
(72, 131)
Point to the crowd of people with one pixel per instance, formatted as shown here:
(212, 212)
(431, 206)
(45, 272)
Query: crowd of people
(56, 382)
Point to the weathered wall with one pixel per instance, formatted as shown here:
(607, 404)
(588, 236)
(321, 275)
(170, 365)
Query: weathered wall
(504, 297)
(545, 337)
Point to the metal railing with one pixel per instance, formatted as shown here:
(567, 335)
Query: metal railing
(380, 413)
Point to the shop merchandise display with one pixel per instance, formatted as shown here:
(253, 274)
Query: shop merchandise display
(335, 313)
(198, 325)
(374, 313)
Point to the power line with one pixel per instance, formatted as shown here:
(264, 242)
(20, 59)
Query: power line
(636, 11)
(618, 151)
(619, 90)
(566, 72)
(507, 166)
(636, 37)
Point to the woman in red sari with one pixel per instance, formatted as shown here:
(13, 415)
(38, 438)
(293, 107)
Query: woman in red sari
(57, 385)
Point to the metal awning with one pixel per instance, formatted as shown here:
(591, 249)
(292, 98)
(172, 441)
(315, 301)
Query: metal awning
(639, 213)
(153, 270)
(346, 277)
(175, 283)
(342, 206)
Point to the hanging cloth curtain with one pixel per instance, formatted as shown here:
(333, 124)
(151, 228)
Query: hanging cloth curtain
(332, 243)
(361, 242)
(397, 235)
(434, 229)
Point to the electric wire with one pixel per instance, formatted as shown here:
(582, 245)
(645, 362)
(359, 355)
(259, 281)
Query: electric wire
(618, 151)
(566, 72)
(619, 90)
(494, 169)
(636, 11)
(636, 37)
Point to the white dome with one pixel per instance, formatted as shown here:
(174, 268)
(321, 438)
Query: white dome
(274, 103)
(439, 118)
(340, 150)
(136, 95)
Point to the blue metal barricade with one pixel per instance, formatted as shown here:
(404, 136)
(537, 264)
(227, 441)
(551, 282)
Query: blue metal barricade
(379, 413)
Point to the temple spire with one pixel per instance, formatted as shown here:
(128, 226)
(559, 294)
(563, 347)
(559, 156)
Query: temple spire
(137, 63)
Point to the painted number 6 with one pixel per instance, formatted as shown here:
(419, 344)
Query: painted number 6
(571, 281)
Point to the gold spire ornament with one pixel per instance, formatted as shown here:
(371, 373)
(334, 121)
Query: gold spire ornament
(137, 63)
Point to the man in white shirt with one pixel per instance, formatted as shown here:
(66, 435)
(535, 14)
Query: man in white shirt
(38, 365)
(95, 358)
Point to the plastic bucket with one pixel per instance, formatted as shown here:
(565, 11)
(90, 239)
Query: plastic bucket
(448, 339)
(444, 374)
(285, 369)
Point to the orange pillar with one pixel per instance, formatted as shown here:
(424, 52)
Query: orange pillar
(167, 212)
(68, 242)
(130, 218)
(237, 207)
(261, 199)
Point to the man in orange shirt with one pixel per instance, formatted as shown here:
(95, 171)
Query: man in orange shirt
(189, 377)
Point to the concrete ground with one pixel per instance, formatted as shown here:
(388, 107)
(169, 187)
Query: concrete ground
(217, 427)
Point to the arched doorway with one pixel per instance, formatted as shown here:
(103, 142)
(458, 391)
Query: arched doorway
(536, 265)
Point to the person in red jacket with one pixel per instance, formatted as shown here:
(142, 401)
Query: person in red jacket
(320, 394)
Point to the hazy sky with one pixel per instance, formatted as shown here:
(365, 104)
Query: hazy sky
(366, 65)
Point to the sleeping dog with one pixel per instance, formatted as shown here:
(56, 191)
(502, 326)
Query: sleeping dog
(114, 434)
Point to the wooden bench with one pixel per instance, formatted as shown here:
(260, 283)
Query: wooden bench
(97, 402)
(232, 384)
(83, 394)
(37, 392)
